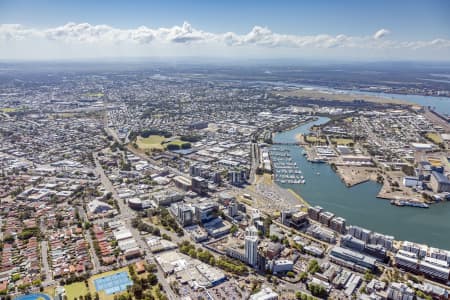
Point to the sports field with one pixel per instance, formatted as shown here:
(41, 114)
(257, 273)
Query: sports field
(75, 290)
(79, 289)
(114, 283)
(151, 142)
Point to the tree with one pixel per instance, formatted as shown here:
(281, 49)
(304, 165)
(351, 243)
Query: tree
(156, 231)
(137, 290)
(274, 238)
(166, 237)
(368, 276)
(313, 266)
(290, 274)
(8, 239)
(317, 290)
(192, 253)
(152, 279)
(303, 276)
(131, 270)
(151, 268)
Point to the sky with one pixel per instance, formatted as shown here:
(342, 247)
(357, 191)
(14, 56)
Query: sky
(320, 30)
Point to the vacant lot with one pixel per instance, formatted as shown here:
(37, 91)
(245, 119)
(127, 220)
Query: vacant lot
(343, 142)
(9, 109)
(313, 139)
(434, 137)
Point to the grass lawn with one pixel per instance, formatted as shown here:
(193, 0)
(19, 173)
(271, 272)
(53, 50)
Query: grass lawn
(343, 142)
(434, 137)
(76, 289)
(152, 142)
(177, 143)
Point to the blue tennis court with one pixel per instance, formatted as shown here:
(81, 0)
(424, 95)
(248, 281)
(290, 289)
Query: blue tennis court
(114, 283)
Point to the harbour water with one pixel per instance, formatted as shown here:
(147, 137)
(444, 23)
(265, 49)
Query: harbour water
(359, 204)
(440, 104)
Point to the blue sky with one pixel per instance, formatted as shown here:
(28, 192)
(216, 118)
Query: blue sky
(416, 22)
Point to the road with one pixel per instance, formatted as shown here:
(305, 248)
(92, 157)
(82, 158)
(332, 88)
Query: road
(255, 161)
(48, 274)
(435, 119)
(126, 215)
(96, 262)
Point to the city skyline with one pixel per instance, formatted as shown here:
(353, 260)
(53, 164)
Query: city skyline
(324, 30)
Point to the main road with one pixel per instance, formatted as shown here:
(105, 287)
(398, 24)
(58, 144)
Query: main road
(126, 215)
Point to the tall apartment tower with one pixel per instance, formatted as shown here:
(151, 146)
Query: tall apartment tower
(251, 245)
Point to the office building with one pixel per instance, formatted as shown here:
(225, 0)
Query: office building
(182, 183)
(281, 266)
(166, 197)
(199, 185)
(264, 294)
(206, 211)
(352, 259)
(185, 215)
(237, 177)
(435, 269)
(439, 182)
(353, 243)
(232, 209)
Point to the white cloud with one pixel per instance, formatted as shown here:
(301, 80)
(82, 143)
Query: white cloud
(87, 35)
(381, 33)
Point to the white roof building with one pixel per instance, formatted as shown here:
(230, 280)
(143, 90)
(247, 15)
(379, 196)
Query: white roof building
(96, 206)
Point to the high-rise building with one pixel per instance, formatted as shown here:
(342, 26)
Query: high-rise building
(251, 245)
(185, 215)
(199, 185)
(251, 250)
(251, 231)
(232, 209)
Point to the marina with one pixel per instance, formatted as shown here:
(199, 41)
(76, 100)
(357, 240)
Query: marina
(285, 169)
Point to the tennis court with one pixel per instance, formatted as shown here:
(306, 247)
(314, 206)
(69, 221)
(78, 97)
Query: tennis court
(114, 283)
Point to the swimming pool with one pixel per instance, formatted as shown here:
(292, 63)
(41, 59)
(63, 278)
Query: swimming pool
(34, 297)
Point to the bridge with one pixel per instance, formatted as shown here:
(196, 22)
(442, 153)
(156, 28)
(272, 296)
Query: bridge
(288, 143)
